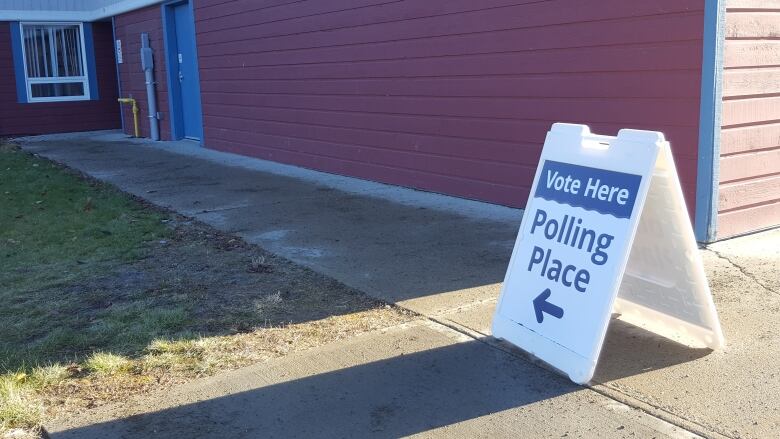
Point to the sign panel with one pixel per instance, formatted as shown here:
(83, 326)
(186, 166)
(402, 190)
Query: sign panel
(573, 249)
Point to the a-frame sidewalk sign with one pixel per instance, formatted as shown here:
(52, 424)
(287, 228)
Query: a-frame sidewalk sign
(605, 232)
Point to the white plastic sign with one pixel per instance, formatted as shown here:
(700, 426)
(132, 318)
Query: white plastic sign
(605, 231)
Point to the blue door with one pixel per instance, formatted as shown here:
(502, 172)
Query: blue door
(187, 75)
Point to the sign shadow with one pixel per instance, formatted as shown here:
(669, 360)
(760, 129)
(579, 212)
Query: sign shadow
(630, 350)
(394, 397)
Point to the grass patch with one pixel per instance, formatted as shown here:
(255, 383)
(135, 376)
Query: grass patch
(19, 406)
(43, 377)
(54, 227)
(104, 297)
(104, 363)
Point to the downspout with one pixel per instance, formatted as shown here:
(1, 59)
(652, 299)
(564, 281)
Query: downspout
(147, 64)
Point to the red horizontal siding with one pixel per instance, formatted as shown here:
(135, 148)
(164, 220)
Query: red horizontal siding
(128, 28)
(762, 216)
(546, 85)
(450, 96)
(750, 138)
(747, 166)
(56, 117)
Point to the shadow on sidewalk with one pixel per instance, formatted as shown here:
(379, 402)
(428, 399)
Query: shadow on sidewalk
(629, 350)
(396, 397)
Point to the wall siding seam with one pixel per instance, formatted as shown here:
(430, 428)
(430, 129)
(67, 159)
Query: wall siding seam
(228, 42)
(529, 166)
(254, 147)
(346, 27)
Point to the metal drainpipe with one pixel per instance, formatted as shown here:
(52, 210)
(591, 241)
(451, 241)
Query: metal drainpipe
(147, 64)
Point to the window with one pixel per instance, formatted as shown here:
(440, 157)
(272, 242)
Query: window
(54, 62)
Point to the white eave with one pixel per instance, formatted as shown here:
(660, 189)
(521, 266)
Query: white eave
(110, 10)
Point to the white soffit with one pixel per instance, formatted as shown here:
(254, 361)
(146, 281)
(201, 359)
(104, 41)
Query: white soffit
(67, 10)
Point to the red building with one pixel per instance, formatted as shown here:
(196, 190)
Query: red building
(448, 96)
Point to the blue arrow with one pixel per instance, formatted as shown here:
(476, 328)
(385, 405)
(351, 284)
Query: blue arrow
(541, 305)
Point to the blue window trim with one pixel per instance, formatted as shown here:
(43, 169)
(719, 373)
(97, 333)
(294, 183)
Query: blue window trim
(18, 56)
(89, 50)
(18, 59)
(174, 89)
(708, 169)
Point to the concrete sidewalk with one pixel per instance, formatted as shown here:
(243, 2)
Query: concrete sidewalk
(421, 379)
(445, 258)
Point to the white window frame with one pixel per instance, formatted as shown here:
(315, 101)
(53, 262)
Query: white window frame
(84, 79)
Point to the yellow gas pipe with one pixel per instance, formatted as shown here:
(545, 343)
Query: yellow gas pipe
(135, 113)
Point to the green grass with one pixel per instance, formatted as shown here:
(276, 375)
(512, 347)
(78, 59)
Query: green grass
(56, 228)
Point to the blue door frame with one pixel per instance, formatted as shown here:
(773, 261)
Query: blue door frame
(183, 76)
(708, 170)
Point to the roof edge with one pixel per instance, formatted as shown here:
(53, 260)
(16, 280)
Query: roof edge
(117, 8)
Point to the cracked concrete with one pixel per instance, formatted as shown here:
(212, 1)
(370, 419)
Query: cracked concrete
(755, 256)
(446, 258)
